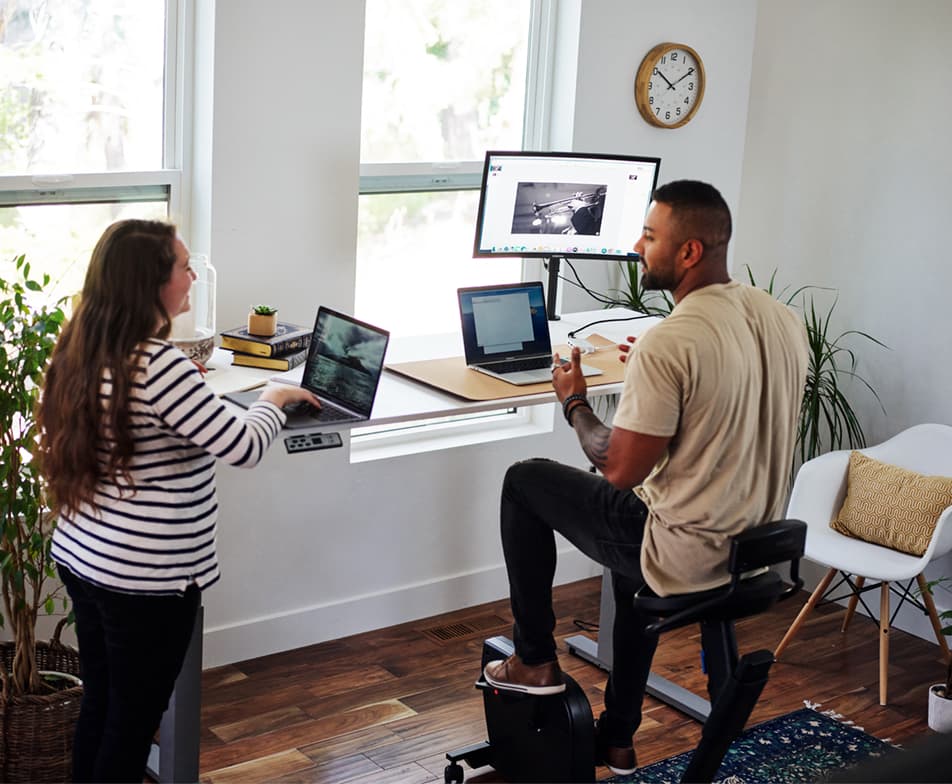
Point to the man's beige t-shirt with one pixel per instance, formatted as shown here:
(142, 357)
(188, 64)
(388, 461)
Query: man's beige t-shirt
(723, 376)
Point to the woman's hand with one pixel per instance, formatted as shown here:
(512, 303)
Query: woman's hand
(624, 348)
(283, 394)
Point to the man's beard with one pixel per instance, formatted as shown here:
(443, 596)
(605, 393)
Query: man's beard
(656, 281)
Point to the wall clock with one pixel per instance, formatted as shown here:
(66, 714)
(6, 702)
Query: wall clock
(669, 85)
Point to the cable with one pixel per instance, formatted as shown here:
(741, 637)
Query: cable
(575, 332)
(598, 297)
(585, 626)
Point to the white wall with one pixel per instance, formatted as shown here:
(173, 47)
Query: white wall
(803, 130)
(614, 37)
(313, 547)
(846, 184)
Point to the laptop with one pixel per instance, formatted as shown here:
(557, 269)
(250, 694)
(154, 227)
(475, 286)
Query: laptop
(506, 332)
(343, 368)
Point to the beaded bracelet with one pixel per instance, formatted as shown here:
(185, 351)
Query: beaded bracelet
(568, 408)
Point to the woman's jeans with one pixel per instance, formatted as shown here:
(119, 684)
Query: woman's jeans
(131, 649)
(540, 497)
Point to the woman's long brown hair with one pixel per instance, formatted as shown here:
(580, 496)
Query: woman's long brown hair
(120, 307)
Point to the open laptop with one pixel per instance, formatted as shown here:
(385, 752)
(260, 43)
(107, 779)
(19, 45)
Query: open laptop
(343, 368)
(506, 332)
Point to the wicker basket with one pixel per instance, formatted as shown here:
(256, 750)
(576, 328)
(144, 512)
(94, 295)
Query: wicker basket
(36, 732)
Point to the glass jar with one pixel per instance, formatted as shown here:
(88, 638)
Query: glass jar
(193, 331)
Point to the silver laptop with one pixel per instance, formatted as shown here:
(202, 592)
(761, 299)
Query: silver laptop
(506, 332)
(343, 368)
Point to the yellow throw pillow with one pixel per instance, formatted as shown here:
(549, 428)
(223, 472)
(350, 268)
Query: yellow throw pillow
(891, 506)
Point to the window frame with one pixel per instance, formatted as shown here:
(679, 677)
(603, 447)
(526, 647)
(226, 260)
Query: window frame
(435, 176)
(166, 184)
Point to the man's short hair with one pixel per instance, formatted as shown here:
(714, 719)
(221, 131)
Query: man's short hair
(699, 210)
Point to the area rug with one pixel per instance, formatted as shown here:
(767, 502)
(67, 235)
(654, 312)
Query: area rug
(806, 745)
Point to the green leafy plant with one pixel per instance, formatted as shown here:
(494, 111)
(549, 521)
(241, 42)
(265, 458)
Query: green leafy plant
(28, 334)
(634, 296)
(264, 310)
(827, 418)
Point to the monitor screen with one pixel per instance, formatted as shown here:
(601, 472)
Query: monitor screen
(555, 204)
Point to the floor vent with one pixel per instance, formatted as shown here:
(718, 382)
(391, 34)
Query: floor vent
(466, 628)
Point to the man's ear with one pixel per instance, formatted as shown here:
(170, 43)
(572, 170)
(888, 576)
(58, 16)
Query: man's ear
(692, 251)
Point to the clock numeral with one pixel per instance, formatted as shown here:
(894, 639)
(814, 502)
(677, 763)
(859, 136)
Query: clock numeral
(690, 85)
(677, 112)
(650, 86)
(657, 110)
(674, 57)
(687, 100)
(651, 100)
(667, 115)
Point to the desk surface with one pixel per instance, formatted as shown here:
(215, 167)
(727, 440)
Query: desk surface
(400, 399)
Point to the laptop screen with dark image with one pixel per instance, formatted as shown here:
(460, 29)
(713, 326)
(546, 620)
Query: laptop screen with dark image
(345, 360)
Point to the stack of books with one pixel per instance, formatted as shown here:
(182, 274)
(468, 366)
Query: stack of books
(285, 349)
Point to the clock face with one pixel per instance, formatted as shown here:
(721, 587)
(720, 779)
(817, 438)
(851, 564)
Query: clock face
(670, 85)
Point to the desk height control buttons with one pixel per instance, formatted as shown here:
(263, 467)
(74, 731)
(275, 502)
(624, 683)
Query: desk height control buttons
(306, 442)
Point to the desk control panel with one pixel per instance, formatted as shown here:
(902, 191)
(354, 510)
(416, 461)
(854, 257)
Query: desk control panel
(307, 442)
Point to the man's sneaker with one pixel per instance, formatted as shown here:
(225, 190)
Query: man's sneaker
(620, 760)
(513, 675)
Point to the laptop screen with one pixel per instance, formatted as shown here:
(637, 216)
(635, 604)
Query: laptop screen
(345, 360)
(504, 321)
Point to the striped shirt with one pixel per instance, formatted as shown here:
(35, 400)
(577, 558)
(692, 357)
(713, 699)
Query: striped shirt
(154, 531)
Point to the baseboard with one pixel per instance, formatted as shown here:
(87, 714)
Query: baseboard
(330, 621)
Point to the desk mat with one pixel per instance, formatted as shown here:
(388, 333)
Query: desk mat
(451, 374)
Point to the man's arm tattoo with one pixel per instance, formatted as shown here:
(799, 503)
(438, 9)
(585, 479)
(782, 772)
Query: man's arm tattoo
(592, 435)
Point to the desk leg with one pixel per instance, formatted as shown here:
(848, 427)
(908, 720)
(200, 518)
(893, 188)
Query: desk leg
(600, 654)
(175, 757)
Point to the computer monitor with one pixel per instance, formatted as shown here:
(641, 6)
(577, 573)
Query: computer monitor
(557, 205)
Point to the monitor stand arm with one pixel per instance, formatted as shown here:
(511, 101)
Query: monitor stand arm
(552, 289)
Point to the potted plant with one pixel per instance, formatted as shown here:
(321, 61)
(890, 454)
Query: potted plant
(940, 694)
(827, 418)
(263, 320)
(37, 713)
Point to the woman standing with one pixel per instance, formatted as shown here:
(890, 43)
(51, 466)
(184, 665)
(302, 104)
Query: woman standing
(130, 433)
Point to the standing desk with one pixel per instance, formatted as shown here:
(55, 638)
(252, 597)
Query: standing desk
(400, 399)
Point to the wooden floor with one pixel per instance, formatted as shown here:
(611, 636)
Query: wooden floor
(386, 706)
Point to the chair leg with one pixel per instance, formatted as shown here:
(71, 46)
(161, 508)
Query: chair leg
(851, 607)
(801, 618)
(928, 601)
(883, 642)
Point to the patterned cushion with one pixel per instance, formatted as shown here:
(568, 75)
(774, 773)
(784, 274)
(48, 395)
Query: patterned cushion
(891, 506)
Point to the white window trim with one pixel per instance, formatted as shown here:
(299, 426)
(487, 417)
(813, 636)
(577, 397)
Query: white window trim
(166, 184)
(430, 176)
(450, 432)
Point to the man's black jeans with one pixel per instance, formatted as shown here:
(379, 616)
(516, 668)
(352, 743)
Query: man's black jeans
(131, 649)
(540, 497)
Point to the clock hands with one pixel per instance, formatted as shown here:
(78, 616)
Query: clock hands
(670, 86)
(689, 72)
(670, 83)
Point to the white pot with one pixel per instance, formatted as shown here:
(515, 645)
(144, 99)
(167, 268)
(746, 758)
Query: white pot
(940, 709)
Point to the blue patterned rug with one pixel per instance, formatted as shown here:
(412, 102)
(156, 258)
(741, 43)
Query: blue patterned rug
(805, 745)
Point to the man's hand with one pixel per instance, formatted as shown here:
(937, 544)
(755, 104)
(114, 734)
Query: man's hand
(568, 379)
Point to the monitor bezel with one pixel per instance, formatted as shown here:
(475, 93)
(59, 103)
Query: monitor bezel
(481, 254)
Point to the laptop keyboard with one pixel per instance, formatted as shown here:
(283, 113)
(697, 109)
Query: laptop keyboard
(515, 365)
(329, 413)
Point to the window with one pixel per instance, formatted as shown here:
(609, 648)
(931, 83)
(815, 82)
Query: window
(88, 125)
(444, 81)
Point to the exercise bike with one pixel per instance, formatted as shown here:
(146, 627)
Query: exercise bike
(552, 738)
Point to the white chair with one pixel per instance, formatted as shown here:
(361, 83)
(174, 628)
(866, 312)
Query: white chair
(817, 496)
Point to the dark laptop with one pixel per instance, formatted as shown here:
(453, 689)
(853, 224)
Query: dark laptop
(343, 368)
(506, 332)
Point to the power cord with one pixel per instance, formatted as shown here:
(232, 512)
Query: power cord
(606, 301)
